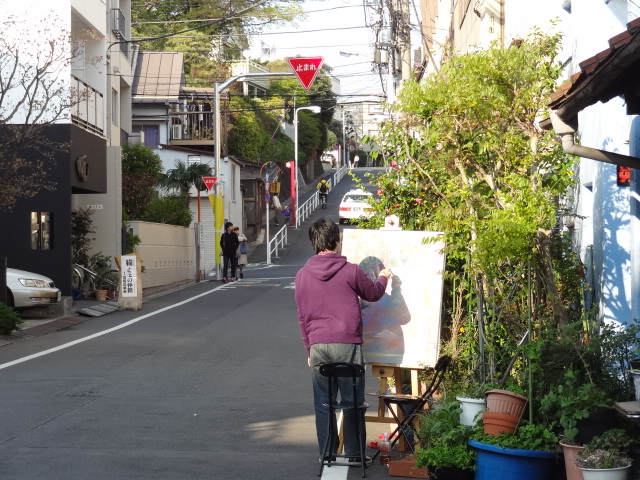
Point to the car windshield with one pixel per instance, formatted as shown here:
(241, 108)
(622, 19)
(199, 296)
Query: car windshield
(356, 198)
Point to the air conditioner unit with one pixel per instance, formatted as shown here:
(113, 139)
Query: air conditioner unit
(176, 134)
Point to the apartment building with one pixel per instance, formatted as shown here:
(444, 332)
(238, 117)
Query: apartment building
(94, 69)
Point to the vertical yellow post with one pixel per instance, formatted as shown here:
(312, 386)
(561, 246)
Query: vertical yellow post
(217, 205)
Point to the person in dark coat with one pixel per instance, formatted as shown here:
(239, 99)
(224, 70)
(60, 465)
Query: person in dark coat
(229, 243)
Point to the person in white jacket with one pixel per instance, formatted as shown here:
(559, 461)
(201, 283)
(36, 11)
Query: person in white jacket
(277, 207)
(242, 257)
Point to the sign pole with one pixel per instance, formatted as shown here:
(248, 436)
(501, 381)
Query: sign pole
(267, 199)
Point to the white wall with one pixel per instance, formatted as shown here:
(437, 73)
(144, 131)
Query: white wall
(606, 229)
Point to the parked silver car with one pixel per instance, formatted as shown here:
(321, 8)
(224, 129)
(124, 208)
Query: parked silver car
(27, 289)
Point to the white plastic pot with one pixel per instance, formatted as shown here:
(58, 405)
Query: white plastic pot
(471, 410)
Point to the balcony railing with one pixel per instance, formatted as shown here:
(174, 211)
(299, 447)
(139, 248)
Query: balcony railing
(119, 29)
(88, 112)
(192, 126)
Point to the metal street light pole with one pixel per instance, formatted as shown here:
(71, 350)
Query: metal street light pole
(315, 109)
(218, 206)
(344, 138)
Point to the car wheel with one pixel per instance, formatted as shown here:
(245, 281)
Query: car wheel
(9, 298)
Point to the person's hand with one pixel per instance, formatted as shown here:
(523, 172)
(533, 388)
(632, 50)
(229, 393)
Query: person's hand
(386, 272)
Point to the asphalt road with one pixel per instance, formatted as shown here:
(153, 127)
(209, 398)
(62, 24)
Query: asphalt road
(207, 382)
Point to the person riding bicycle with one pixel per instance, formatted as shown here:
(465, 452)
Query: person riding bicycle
(323, 190)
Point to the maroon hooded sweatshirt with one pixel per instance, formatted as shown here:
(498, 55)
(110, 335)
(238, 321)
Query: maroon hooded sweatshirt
(326, 292)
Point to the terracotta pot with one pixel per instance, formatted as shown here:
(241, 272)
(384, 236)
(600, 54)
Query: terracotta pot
(496, 423)
(570, 455)
(504, 401)
(101, 295)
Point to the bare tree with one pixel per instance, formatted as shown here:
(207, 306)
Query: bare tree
(35, 93)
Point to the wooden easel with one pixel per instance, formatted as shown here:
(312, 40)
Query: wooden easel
(384, 372)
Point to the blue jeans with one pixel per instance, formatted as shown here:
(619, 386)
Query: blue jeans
(337, 352)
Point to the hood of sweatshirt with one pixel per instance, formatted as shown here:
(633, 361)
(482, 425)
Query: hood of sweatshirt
(324, 267)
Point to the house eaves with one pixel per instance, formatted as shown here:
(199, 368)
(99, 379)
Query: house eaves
(610, 73)
(159, 76)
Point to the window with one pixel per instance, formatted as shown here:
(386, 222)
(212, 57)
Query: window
(115, 104)
(41, 231)
(151, 135)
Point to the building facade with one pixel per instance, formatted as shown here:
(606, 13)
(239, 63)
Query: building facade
(605, 226)
(94, 70)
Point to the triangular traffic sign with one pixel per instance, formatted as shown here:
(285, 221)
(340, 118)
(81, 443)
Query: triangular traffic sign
(306, 69)
(209, 182)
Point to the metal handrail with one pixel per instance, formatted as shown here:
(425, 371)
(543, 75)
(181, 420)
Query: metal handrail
(278, 241)
(304, 210)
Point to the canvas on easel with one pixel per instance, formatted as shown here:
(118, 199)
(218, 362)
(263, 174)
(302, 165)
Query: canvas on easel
(403, 328)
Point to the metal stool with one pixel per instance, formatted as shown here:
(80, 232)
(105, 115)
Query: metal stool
(332, 371)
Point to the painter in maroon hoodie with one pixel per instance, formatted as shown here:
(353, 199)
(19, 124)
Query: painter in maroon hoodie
(327, 293)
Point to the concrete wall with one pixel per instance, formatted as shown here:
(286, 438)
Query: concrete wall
(167, 253)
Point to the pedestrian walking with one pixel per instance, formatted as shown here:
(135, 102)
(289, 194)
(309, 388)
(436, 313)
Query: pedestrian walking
(328, 291)
(277, 207)
(242, 252)
(286, 211)
(229, 243)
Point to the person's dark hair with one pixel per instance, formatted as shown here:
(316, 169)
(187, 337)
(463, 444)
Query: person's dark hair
(227, 225)
(324, 235)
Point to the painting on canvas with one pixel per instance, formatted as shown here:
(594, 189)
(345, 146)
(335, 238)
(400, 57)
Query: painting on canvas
(403, 328)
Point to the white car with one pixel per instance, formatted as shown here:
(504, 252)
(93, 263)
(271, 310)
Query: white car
(27, 289)
(354, 205)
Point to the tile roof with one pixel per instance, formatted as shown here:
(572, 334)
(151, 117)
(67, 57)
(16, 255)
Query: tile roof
(610, 73)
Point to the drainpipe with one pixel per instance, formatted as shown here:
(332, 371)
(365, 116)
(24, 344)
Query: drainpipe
(566, 133)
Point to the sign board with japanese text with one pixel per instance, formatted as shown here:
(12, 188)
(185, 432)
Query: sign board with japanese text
(129, 276)
(209, 182)
(306, 69)
(130, 297)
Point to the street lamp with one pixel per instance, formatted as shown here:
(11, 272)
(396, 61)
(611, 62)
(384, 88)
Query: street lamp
(314, 109)
(218, 207)
(344, 138)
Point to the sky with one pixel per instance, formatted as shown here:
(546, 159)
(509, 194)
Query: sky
(331, 27)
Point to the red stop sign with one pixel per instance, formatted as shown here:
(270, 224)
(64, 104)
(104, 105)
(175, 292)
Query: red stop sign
(306, 69)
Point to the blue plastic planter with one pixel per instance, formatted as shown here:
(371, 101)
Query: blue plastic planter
(500, 463)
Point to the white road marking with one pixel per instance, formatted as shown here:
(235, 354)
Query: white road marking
(335, 472)
(105, 332)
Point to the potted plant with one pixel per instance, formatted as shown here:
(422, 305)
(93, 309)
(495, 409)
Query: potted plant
(563, 407)
(106, 278)
(605, 457)
(529, 453)
(472, 403)
(443, 441)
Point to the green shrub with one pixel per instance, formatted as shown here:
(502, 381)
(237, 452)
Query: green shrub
(171, 210)
(9, 319)
(443, 441)
(527, 437)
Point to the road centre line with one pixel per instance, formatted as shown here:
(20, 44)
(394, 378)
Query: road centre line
(105, 332)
